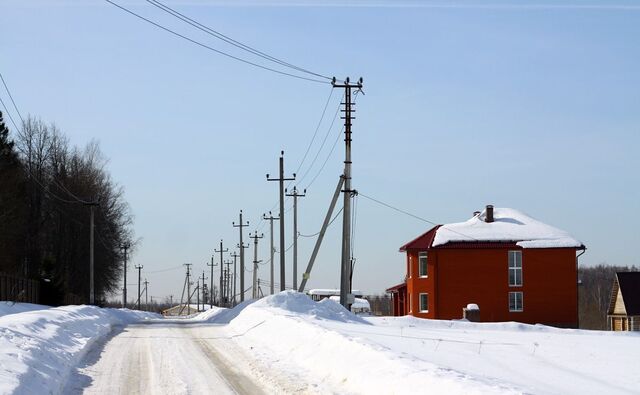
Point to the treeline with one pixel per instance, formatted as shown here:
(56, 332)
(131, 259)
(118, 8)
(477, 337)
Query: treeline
(46, 186)
(594, 294)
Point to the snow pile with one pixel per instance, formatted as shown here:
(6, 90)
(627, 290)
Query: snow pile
(508, 225)
(319, 344)
(39, 348)
(327, 349)
(13, 308)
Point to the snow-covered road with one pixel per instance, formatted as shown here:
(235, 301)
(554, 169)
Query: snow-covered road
(164, 357)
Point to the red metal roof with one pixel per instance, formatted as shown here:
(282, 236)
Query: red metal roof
(422, 242)
(397, 288)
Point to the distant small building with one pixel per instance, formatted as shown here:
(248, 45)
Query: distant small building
(318, 294)
(624, 308)
(179, 310)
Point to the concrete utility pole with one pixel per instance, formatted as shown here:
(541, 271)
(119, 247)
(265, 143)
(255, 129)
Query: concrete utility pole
(271, 218)
(221, 251)
(146, 295)
(234, 256)
(254, 286)
(241, 225)
(211, 281)
(281, 180)
(295, 195)
(203, 288)
(327, 219)
(139, 278)
(227, 282)
(125, 247)
(345, 272)
(188, 265)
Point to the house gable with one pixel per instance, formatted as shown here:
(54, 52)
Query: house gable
(618, 305)
(629, 292)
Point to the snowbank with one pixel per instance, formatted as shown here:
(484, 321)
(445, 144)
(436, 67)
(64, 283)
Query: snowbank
(508, 225)
(13, 308)
(302, 338)
(329, 350)
(39, 348)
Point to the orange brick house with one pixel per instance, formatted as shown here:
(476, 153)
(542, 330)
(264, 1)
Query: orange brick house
(512, 266)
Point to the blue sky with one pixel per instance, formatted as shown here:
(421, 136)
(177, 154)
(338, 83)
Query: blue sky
(528, 105)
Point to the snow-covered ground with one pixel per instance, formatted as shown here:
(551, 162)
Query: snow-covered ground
(287, 343)
(40, 345)
(333, 350)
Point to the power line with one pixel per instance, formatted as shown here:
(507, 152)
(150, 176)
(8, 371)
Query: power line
(229, 40)
(315, 234)
(211, 48)
(411, 215)
(9, 114)
(324, 111)
(11, 97)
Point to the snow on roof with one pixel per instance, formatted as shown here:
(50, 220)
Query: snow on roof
(509, 225)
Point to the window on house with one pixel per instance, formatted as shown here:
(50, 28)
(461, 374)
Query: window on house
(422, 264)
(515, 301)
(424, 303)
(515, 268)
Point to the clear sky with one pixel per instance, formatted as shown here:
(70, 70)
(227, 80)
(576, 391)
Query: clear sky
(529, 105)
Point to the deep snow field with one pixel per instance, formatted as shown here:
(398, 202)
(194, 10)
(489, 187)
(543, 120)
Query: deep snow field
(329, 350)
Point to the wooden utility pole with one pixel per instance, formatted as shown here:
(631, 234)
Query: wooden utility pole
(281, 180)
(139, 278)
(221, 251)
(92, 292)
(125, 247)
(295, 196)
(271, 218)
(345, 272)
(211, 281)
(241, 225)
(254, 289)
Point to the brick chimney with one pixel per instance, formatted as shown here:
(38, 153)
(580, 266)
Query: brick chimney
(489, 214)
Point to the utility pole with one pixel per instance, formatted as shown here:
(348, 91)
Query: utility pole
(139, 278)
(234, 256)
(125, 247)
(271, 218)
(345, 272)
(170, 300)
(281, 180)
(203, 288)
(227, 282)
(254, 289)
(146, 295)
(92, 293)
(188, 265)
(242, 247)
(295, 195)
(211, 281)
(221, 251)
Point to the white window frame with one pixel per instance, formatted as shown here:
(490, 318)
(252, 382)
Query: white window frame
(425, 255)
(420, 302)
(515, 309)
(515, 268)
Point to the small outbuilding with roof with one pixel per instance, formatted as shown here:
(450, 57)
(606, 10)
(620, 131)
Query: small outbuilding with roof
(624, 308)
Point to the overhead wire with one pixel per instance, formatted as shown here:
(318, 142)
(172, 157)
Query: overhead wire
(159, 26)
(11, 97)
(411, 215)
(228, 39)
(329, 224)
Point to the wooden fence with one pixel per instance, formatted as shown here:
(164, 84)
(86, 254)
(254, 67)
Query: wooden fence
(18, 289)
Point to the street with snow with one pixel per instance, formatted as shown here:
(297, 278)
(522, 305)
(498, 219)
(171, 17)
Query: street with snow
(287, 343)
